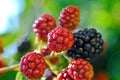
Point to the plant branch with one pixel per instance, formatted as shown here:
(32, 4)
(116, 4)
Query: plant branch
(4, 69)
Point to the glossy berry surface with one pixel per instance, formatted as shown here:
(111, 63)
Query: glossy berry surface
(80, 70)
(70, 17)
(60, 39)
(49, 74)
(32, 65)
(88, 43)
(64, 75)
(46, 51)
(43, 25)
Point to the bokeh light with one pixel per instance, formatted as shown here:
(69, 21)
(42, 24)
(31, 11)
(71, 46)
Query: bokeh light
(9, 14)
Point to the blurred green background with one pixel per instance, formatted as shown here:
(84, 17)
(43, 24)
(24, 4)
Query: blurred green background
(17, 17)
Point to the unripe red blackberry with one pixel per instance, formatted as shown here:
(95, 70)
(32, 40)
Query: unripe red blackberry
(46, 51)
(102, 76)
(43, 25)
(60, 39)
(32, 65)
(49, 74)
(2, 64)
(70, 17)
(88, 43)
(64, 75)
(54, 60)
(1, 46)
(80, 70)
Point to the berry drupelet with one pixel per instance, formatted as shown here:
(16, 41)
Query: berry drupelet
(60, 39)
(32, 65)
(70, 17)
(88, 43)
(43, 25)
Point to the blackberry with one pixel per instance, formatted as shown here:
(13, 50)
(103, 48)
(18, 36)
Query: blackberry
(64, 75)
(1, 46)
(24, 46)
(49, 74)
(88, 43)
(70, 17)
(80, 69)
(43, 25)
(46, 51)
(2, 64)
(60, 39)
(32, 65)
(103, 75)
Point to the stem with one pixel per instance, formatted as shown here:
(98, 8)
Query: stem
(68, 59)
(40, 46)
(53, 54)
(36, 41)
(52, 67)
(31, 79)
(2, 70)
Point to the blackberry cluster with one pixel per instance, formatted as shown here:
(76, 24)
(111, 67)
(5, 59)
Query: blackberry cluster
(88, 43)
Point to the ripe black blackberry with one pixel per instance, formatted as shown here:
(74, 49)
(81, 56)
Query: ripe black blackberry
(88, 43)
(24, 46)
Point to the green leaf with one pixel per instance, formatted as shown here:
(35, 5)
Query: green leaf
(10, 75)
(63, 63)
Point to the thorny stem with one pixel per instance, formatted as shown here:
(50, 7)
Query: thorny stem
(2, 70)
